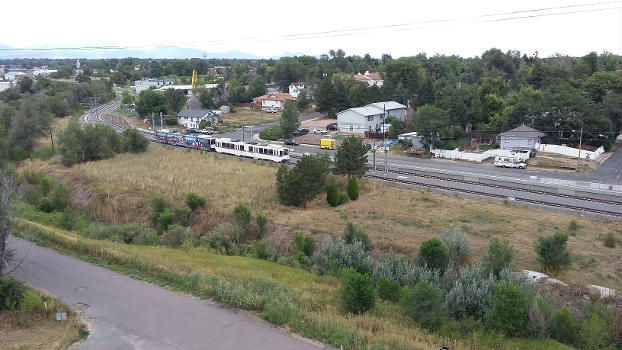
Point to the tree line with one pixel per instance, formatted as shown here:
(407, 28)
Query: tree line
(27, 110)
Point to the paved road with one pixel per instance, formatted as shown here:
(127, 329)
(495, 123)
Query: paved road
(130, 314)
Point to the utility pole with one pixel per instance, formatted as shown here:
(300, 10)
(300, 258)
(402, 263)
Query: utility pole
(384, 135)
(161, 121)
(374, 150)
(242, 131)
(579, 157)
(153, 122)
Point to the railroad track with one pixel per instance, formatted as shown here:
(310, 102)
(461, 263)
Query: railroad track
(617, 214)
(505, 187)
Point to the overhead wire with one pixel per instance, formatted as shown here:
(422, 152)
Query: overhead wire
(360, 30)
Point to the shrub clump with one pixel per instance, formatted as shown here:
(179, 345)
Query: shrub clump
(433, 254)
(352, 234)
(353, 188)
(194, 201)
(424, 304)
(357, 292)
(261, 221)
(387, 289)
(499, 256)
(457, 244)
(508, 309)
(610, 240)
(304, 244)
(333, 197)
(11, 293)
(552, 252)
(336, 254)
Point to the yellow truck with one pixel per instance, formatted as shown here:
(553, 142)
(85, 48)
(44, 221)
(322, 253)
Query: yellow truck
(328, 143)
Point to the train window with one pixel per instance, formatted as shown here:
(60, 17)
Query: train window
(285, 152)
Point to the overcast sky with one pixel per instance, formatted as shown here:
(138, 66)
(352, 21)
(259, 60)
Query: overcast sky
(463, 27)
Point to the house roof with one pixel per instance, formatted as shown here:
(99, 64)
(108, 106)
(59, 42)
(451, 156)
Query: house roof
(368, 76)
(389, 105)
(279, 96)
(366, 110)
(522, 131)
(194, 113)
(375, 108)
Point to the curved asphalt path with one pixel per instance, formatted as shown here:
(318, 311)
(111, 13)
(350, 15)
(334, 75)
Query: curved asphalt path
(125, 313)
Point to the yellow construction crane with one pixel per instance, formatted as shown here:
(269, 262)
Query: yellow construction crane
(194, 78)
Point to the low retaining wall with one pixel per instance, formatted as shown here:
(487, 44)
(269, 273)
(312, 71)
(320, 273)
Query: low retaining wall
(477, 157)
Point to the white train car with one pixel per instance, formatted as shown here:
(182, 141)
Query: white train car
(275, 153)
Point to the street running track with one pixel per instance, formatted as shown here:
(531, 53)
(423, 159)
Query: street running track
(125, 313)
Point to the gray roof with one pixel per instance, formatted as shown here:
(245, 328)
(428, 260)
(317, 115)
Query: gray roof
(367, 110)
(375, 108)
(522, 131)
(389, 105)
(193, 113)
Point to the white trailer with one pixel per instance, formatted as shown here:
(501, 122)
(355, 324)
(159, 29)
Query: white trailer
(509, 162)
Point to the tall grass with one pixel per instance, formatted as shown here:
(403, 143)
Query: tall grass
(305, 303)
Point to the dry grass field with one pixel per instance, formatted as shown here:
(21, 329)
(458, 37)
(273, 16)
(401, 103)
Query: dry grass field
(118, 190)
(250, 116)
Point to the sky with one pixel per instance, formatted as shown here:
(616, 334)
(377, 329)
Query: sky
(268, 28)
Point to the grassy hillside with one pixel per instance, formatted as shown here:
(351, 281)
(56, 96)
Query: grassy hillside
(119, 189)
(295, 299)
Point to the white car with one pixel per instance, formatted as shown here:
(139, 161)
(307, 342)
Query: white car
(319, 131)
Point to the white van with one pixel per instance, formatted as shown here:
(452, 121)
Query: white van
(509, 162)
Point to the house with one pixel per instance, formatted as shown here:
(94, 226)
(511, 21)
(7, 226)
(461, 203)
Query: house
(272, 101)
(369, 118)
(413, 137)
(296, 88)
(5, 85)
(371, 79)
(191, 118)
(140, 85)
(224, 109)
(42, 72)
(186, 88)
(520, 138)
(14, 76)
(272, 88)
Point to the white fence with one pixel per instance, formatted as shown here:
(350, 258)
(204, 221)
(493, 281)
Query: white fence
(477, 157)
(569, 151)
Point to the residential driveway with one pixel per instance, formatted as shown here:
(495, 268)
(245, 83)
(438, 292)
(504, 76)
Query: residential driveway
(126, 313)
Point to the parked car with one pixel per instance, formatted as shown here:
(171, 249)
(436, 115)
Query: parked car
(319, 131)
(332, 126)
(301, 132)
(291, 142)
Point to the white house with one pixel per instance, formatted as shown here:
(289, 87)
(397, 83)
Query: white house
(273, 101)
(191, 118)
(186, 88)
(520, 138)
(296, 88)
(141, 85)
(371, 79)
(5, 85)
(43, 72)
(370, 117)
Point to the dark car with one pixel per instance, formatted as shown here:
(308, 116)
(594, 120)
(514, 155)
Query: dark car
(332, 126)
(301, 132)
(291, 142)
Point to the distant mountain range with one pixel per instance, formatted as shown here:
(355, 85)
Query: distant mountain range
(8, 52)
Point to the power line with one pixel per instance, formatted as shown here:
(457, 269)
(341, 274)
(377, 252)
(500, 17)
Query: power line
(360, 30)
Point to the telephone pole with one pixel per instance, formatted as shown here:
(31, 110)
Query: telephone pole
(161, 121)
(580, 144)
(153, 122)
